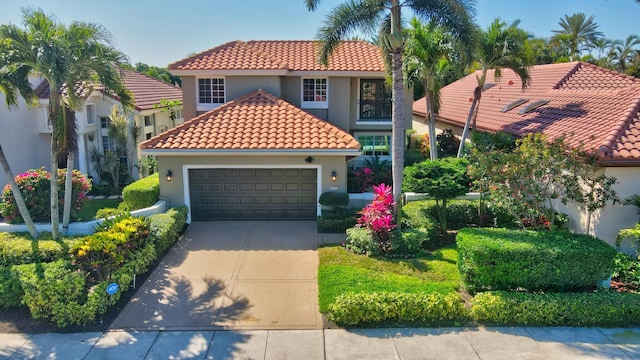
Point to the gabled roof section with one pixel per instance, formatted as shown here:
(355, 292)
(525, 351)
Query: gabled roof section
(255, 121)
(593, 107)
(291, 55)
(147, 91)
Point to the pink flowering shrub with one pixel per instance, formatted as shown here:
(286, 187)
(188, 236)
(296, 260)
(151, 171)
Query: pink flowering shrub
(35, 187)
(377, 217)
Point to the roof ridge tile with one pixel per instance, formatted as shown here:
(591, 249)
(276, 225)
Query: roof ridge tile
(567, 76)
(175, 64)
(620, 126)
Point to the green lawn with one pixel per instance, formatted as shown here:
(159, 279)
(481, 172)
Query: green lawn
(89, 209)
(341, 272)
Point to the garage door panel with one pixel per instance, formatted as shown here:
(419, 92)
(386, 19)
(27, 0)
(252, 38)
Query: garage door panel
(253, 194)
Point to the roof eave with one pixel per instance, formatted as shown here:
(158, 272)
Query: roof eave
(217, 72)
(250, 152)
(620, 162)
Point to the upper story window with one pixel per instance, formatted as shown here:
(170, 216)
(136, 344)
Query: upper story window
(211, 93)
(179, 114)
(315, 93)
(148, 120)
(91, 114)
(375, 100)
(104, 122)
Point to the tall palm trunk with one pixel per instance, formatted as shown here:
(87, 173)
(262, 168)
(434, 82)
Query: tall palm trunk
(54, 108)
(472, 112)
(68, 187)
(433, 149)
(17, 195)
(397, 127)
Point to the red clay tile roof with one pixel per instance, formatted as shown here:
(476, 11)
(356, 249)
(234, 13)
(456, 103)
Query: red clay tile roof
(147, 91)
(255, 121)
(589, 104)
(293, 55)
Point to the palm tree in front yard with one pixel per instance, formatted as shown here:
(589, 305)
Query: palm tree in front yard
(499, 47)
(74, 60)
(12, 83)
(385, 17)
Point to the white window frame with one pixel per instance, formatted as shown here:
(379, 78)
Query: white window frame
(210, 106)
(90, 111)
(314, 104)
(382, 133)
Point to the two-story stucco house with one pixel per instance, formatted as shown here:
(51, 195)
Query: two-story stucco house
(26, 134)
(268, 129)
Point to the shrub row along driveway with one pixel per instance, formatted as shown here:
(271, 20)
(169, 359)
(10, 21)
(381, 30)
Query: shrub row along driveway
(232, 275)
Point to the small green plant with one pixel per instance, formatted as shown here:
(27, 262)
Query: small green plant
(142, 193)
(360, 241)
(443, 179)
(633, 234)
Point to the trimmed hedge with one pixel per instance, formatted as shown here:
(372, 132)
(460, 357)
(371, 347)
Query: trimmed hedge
(600, 308)
(18, 248)
(334, 199)
(369, 308)
(142, 193)
(58, 292)
(338, 226)
(501, 259)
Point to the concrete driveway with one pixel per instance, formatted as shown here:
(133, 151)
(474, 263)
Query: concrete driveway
(232, 275)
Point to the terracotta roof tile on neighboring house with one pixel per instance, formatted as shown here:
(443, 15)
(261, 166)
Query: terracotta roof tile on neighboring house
(255, 121)
(293, 55)
(588, 104)
(147, 91)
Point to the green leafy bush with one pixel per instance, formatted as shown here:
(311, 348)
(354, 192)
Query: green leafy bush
(334, 199)
(35, 188)
(368, 308)
(165, 228)
(101, 253)
(626, 270)
(360, 241)
(600, 308)
(412, 241)
(335, 225)
(413, 156)
(501, 259)
(142, 193)
(11, 293)
(417, 214)
(19, 248)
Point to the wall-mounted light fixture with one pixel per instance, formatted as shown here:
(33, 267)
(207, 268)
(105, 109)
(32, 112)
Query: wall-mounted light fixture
(334, 176)
(169, 175)
(309, 160)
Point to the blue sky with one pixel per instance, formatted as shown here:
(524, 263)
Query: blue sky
(158, 32)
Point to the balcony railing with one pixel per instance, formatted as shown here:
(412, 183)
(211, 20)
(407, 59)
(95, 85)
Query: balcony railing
(375, 110)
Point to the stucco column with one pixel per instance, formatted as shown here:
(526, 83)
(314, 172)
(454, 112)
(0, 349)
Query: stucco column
(82, 155)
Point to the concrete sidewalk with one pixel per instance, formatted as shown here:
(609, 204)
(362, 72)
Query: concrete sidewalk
(435, 343)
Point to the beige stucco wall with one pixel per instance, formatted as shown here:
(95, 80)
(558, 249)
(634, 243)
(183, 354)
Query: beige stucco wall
(174, 191)
(421, 126)
(236, 86)
(189, 99)
(24, 146)
(339, 112)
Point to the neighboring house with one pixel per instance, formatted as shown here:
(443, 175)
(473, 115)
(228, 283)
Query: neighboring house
(588, 104)
(25, 133)
(269, 128)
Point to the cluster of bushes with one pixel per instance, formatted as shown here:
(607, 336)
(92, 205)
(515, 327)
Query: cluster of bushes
(336, 217)
(142, 193)
(72, 288)
(502, 259)
(369, 308)
(35, 186)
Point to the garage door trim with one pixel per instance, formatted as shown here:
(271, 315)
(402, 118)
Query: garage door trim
(186, 168)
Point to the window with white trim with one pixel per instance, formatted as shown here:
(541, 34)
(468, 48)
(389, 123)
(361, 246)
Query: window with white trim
(315, 93)
(148, 121)
(211, 93)
(104, 122)
(91, 114)
(375, 144)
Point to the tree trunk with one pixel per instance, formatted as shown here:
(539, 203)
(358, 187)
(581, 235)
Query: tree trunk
(465, 132)
(17, 195)
(54, 108)
(397, 126)
(68, 194)
(433, 149)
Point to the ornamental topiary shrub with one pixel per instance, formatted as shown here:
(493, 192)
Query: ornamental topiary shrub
(35, 187)
(369, 308)
(142, 193)
(600, 308)
(501, 259)
(334, 199)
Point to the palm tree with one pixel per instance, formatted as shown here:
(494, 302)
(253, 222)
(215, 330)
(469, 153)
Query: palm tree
(12, 83)
(386, 16)
(426, 57)
(624, 52)
(579, 32)
(73, 60)
(499, 47)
